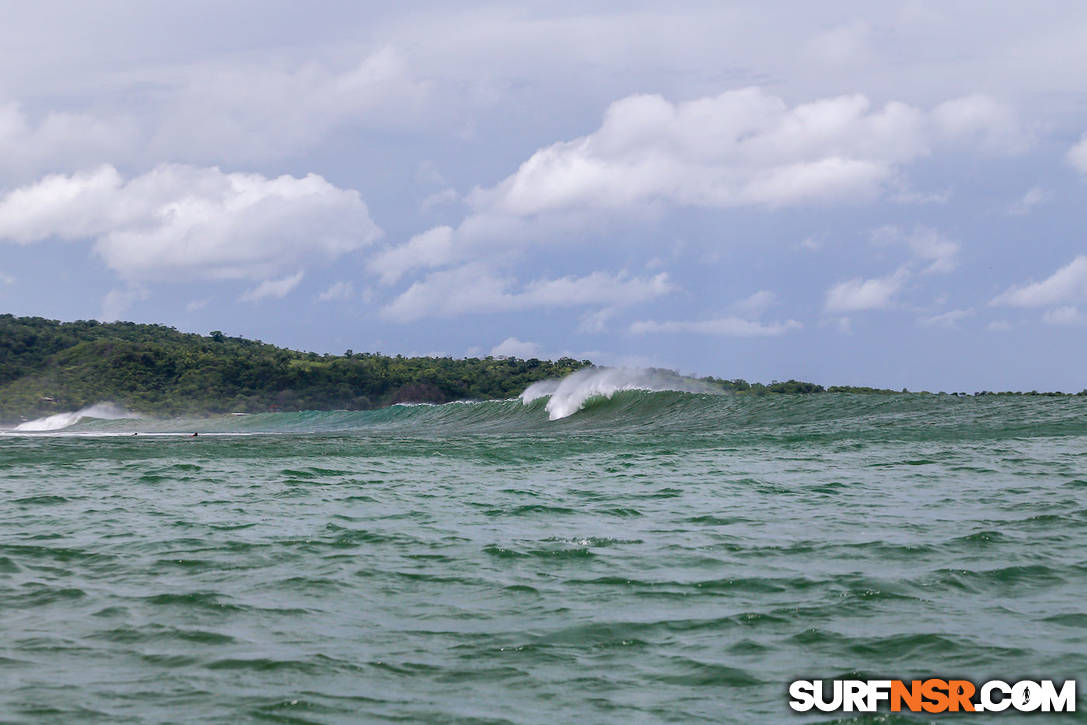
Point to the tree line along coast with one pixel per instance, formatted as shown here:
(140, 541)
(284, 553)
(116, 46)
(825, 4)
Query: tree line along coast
(48, 367)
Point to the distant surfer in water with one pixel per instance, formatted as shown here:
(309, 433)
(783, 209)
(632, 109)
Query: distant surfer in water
(194, 435)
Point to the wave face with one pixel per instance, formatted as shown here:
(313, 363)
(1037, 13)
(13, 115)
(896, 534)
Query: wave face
(569, 395)
(624, 400)
(60, 421)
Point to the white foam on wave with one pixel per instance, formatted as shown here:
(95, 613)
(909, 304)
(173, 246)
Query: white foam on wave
(106, 411)
(568, 395)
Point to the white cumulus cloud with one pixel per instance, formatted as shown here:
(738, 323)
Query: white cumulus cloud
(741, 148)
(512, 347)
(934, 247)
(927, 244)
(756, 303)
(273, 288)
(1067, 284)
(744, 147)
(182, 222)
(864, 294)
(1077, 155)
(432, 248)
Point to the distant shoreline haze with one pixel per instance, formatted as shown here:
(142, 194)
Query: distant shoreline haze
(49, 367)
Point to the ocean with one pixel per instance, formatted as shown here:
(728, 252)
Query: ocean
(650, 556)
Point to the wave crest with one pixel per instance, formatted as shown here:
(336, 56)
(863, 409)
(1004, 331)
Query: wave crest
(570, 394)
(102, 411)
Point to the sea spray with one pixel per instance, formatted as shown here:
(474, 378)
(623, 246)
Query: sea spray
(568, 395)
(102, 411)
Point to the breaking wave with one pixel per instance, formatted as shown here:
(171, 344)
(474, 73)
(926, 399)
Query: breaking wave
(60, 421)
(618, 400)
(570, 394)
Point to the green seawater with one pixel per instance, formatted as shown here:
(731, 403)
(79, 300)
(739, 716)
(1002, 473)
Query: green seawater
(655, 557)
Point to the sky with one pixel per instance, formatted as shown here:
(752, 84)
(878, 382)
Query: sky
(886, 194)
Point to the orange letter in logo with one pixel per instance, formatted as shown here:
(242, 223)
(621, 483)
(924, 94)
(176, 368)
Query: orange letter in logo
(910, 695)
(959, 693)
(935, 692)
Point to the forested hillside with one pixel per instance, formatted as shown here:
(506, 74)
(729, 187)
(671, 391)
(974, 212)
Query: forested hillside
(48, 366)
(51, 367)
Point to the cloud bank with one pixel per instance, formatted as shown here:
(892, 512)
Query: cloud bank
(181, 222)
(742, 148)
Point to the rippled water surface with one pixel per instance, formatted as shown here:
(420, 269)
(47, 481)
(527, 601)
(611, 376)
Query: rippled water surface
(655, 557)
